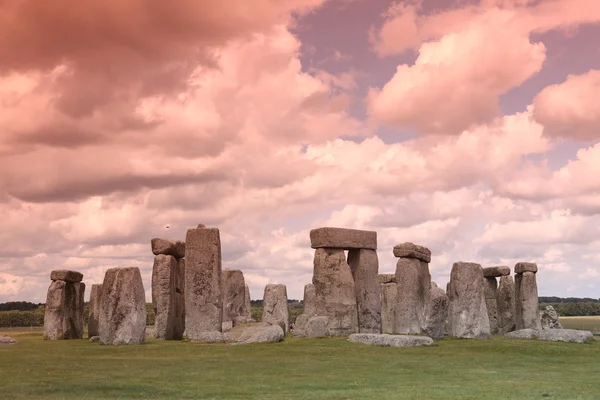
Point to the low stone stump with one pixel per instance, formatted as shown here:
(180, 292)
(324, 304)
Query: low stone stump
(553, 335)
(390, 340)
(258, 332)
(7, 340)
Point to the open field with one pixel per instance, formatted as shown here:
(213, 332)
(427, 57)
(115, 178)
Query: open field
(585, 323)
(298, 369)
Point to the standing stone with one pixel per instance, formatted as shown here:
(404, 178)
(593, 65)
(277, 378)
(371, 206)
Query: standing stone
(526, 297)
(95, 298)
(490, 291)
(335, 293)
(468, 313)
(179, 324)
(365, 267)
(437, 313)
(77, 310)
(63, 317)
(247, 303)
(164, 296)
(203, 301)
(122, 307)
(389, 294)
(233, 288)
(275, 305)
(309, 310)
(413, 284)
(505, 301)
(550, 319)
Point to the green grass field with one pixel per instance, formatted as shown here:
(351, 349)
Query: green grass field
(297, 369)
(591, 324)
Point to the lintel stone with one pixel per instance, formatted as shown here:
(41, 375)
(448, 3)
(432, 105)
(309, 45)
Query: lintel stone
(411, 250)
(66, 275)
(342, 238)
(495, 272)
(525, 267)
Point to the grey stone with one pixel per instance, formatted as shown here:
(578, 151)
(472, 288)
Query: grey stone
(233, 289)
(300, 325)
(275, 304)
(77, 309)
(335, 293)
(247, 303)
(66, 275)
(279, 322)
(7, 340)
(168, 247)
(94, 339)
(413, 284)
(317, 327)
(468, 313)
(436, 313)
(364, 265)
(123, 307)
(95, 298)
(389, 294)
(525, 267)
(391, 340)
(203, 300)
(179, 324)
(226, 326)
(164, 296)
(495, 272)
(63, 316)
(209, 337)
(241, 320)
(490, 289)
(505, 302)
(259, 332)
(342, 238)
(527, 314)
(553, 335)
(550, 319)
(386, 278)
(411, 250)
(310, 305)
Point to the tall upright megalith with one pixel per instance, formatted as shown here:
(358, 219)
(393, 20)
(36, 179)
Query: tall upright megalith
(247, 302)
(203, 299)
(491, 293)
(308, 312)
(63, 317)
(388, 297)
(505, 300)
(527, 314)
(467, 310)
(275, 305)
(233, 288)
(122, 318)
(436, 312)
(95, 298)
(364, 265)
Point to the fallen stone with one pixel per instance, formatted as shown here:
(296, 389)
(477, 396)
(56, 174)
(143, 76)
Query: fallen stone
(335, 294)
(527, 314)
(203, 300)
(467, 311)
(413, 284)
(317, 327)
(94, 339)
(209, 337)
(386, 278)
(391, 340)
(7, 340)
(553, 335)
(525, 267)
(123, 307)
(233, 289)
(495, 272)
(342, 238)
(505, 302)
(550, 319)
(226, 326)
(275, 305)
(389, 293)
(95, 298)
(66, 275)
(259, 332)
(164, 296)
(436, 313)
(278, 322)
(364, 265)
(411, 250)
(168, 247)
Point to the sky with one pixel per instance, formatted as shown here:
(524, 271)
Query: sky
(471, 127)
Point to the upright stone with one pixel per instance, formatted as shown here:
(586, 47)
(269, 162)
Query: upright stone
(308, 312)
(389, 294)
(95, 298)
(179, 325)
(335, 293)
(275, 305)
(122, 307)
(164, 296)
(526, 297)
(247, 303)
(77, 310)
(233, 288)
(490, 291)
(365, 267)
(468, 312)
(63, 318)
(505, 300)
(436, 313)
(550, 319)
(203, 300)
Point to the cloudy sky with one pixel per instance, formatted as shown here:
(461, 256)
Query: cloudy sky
(469, 126)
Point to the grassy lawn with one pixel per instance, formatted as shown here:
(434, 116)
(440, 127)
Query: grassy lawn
(591, 324)
(298, 369)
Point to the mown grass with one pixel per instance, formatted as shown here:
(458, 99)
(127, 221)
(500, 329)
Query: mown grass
(298, 369)
(591, 323)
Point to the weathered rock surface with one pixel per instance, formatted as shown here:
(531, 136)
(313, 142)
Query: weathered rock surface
(94, 339)
(164, 297)
(310, 300)
(275, 305)
(123, 307)
(203, 300)
(467, 310)
(505, 302)
(95, 298)
(317, 327)
(259, 332)
(411, 250)
(233, 288)
(490, 286)
(342, 238)
(168, 247)
(247, 303)
(335, 293)
(522, 267)
(550, 319)
(364, 265)
(209, 337)
(63, 316)
(495, 272)
(413, 284)
(7, 340)
(66, 275)
(554, 335)
(389, 294)
(390, 340)
(526, 302)
(436, 313)
(386, 278)
(179, 328)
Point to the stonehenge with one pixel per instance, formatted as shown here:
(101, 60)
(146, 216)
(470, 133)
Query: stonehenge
(233, 288)
(365, 266)
(95, 297)
(388, 296)
(275, 306)
(505, 301)
(550, 319)
(526, 297)
(491, 294)
(63, 316)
